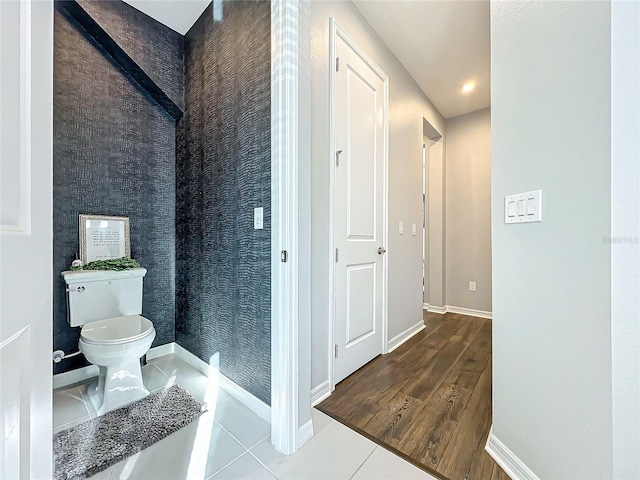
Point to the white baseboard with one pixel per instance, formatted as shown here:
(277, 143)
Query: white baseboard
(85, 373)
(468, 311)
(74, 376)
(249, 400)
(320, 392)
(435, 309)
(453, 309)
(305, 433)
(399, 339)
(252, 402)
(508, 461)
(161, 351)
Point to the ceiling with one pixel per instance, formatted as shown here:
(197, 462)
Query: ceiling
(179, 15)
(442, 44)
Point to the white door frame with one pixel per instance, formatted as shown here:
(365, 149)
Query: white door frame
(336, 30)
(290, 126)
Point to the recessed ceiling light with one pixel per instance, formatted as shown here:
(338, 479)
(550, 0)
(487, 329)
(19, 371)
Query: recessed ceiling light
(466, 87)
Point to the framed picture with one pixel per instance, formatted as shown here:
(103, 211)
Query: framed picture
(103, 238)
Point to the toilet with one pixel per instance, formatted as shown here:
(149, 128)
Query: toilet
(114, 336)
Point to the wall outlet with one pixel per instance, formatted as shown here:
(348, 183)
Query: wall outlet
(472, 286)
(258, 218)
(400, 227)
(414, 229)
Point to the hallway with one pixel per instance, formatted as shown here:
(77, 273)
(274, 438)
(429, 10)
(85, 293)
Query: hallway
(429, 400)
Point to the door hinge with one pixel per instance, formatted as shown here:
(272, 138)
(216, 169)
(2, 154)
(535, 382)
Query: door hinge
(338, 158)
(337, 64)
(336, 255)
(335, 351)
(284, 256)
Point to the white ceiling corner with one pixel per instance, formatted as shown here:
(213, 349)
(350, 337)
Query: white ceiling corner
(442, 44)
(179, 15)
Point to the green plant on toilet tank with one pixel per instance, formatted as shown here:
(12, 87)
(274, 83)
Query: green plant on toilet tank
(117, 264)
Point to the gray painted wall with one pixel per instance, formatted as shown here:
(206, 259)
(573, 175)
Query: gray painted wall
(114, 154)
(552, 280)
(224, 170)
(625, 223)
(408, 107)
(468, 200)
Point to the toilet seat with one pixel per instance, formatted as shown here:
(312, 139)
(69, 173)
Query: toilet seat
(116, 330)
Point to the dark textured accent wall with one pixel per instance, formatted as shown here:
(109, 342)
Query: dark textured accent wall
(113, 50)
(156, 49)
(114, 154)
(223, 277)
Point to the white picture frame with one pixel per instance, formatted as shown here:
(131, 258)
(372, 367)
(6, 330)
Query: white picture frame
(103, 237)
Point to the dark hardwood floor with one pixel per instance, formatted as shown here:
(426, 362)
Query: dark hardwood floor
(429, 400)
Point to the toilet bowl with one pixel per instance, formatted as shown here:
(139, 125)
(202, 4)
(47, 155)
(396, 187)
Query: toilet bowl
(107, 305)
(115, 346)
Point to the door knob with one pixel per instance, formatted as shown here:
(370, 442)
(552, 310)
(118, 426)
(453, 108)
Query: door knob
(381, 250)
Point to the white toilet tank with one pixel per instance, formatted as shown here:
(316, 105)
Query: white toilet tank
(100, 294)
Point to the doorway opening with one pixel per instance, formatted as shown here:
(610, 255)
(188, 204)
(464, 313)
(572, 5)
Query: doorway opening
(433, 253)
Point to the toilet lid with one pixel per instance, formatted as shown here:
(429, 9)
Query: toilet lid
(116, 330)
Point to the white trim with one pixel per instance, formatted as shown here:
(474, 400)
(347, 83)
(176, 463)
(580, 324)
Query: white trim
(508, 461)
(161, 350)
(305, 433)
(85, 373)
(461, 310)
(289, 28)
(332, 264)
(468, 311)
(249, 400)
(435, 309)
(24, 140)
(74, 376)
(336, 30)
(399, 339)
(320, 392)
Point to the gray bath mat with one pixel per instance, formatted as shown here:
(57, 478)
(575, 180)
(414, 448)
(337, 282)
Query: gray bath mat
(93, 446)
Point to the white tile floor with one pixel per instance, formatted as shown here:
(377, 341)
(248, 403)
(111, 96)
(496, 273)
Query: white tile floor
(230, 441)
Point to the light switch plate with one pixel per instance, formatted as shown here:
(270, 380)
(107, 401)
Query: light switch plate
(523, 207)
(258, 218)
(400, 227)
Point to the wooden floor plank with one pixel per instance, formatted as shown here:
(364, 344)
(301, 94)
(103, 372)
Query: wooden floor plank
(428, 379)
(470, 434)
(392, 421)
(498, 473)
(469, 331)
(429, 400)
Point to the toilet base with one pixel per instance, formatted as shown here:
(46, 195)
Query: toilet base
(116, 387)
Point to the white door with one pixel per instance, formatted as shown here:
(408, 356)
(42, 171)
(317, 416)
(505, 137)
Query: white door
(359, 209)
(26, 103)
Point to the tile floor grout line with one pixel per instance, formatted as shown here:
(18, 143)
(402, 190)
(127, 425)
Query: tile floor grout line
(364, 461)
(237, 439)
(260, 461)
(220, 469)
(229, 460)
